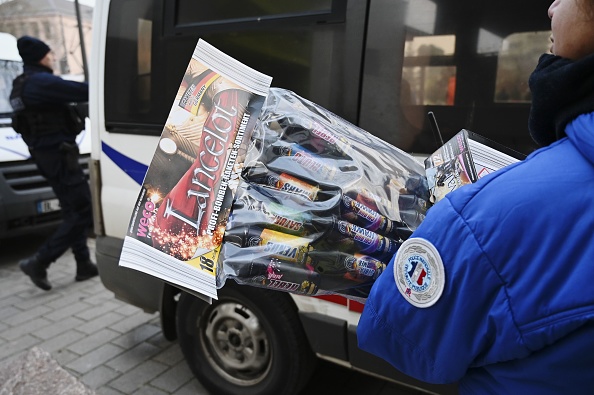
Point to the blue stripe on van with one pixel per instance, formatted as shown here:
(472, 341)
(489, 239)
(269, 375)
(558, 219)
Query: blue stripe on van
(134, 169)
(15, 152)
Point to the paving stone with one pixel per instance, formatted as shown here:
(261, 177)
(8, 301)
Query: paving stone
(170, 356)
(148, 390)
(95, 358)
(100, 323)
(6, 273)
(30, 326)
(58, 327)
(132, 322)
(20, 289)
(192, 388)
(109, 391)
(38, 299)
(10, 300)
(67, 284)
(97, 293)
(98, 298)
(99, 376)
(160, 341)
(174, 378)
(66, 300)
(26, 315)
(8, 311)
(68, 310)
(133, 357)
(137, 377)
(61, 341)
(63, 357)
(128, 310)
(93, 341)
(94, 311)
(137, 335)
(83, 287)
(14, 347)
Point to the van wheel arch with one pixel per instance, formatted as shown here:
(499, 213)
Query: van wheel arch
(168, 311)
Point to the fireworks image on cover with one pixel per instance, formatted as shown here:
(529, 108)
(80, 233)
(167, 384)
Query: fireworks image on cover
(186, 193)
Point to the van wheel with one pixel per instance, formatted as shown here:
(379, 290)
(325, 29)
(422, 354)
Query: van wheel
(249, 341)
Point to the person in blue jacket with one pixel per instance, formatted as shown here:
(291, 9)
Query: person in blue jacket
(49, 124)
(495, 289)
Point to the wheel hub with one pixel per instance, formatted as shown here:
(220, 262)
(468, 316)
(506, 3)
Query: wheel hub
(237, 343)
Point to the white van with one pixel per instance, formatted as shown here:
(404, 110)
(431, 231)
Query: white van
(381, 64)
(27, 202)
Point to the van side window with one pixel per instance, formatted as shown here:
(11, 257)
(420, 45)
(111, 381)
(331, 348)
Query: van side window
(381, 65)
(313, 48)
(466, 61)
(142, 69)
(9, 70)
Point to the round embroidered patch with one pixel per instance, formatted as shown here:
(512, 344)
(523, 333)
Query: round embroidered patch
(419, 272)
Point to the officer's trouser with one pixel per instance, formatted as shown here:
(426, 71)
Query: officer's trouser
(61, 168)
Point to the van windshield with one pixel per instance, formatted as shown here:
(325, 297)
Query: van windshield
(9, 69)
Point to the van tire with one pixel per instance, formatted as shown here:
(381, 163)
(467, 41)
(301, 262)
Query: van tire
(261, 348)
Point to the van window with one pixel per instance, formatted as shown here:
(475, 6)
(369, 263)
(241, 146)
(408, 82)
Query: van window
(9, 70)
(382, 65)
(467, 61)
(313, 48)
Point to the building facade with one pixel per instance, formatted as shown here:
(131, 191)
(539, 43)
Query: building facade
(56, 23)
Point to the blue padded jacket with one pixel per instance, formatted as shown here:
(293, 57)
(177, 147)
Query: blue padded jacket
(516, 315)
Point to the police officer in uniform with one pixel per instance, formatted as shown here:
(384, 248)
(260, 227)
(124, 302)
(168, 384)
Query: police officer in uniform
(48, 124)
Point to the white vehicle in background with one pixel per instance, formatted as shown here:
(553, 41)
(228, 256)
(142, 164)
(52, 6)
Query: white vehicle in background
(27, 202)
(379, 64)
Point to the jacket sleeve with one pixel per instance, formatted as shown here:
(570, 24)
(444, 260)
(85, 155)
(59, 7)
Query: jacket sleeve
(468, 325)
(45, 88)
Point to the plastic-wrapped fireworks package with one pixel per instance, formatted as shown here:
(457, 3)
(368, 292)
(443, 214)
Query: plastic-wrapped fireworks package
(323, 205)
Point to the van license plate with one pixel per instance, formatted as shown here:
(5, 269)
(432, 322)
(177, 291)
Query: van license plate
(49, 205)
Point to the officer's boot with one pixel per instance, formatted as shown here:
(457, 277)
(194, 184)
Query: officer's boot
(36, 270)
(85, 270)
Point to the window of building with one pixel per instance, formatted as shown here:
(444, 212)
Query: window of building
(424, 83)
(515, 63)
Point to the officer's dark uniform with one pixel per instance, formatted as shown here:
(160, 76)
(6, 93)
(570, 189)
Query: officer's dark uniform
(47, 123)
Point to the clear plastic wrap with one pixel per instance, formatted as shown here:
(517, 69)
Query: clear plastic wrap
(322, 205)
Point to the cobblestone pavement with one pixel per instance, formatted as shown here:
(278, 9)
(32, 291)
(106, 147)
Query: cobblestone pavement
(110, 346)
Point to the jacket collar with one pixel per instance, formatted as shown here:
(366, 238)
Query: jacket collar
(580, 132)
(36, 68)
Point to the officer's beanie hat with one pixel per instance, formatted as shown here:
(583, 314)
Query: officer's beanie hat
(31, 49)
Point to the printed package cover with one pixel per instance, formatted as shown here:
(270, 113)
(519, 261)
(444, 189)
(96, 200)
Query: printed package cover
(450, 167)
(179, 219)
(464, 159)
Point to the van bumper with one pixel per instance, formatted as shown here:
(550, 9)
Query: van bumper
(131, 286)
